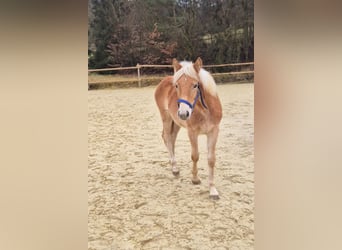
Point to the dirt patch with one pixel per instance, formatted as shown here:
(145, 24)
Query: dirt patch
(134, 200)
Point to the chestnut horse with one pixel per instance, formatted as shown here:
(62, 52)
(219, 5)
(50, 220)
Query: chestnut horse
(189, 99)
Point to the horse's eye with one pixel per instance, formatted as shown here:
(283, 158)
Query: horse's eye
(196, 85)
(176, 86)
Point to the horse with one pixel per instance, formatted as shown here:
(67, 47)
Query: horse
(189, 99)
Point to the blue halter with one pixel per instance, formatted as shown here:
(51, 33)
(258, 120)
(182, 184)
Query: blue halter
(192, 106)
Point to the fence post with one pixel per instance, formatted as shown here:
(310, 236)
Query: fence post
(139, 79)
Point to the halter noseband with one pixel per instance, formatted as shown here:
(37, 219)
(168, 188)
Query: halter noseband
(192, 106)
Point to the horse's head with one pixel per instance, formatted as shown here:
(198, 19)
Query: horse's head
(186, 82)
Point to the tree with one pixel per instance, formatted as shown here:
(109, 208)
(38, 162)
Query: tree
(102, 25)
(127, 32)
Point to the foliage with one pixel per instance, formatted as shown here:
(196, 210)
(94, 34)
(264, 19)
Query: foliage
(127, 32)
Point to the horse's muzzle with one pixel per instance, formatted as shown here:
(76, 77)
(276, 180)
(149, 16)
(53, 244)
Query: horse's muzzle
(183, 114)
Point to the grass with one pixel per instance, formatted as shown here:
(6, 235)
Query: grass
(98, 81)
(93, 78)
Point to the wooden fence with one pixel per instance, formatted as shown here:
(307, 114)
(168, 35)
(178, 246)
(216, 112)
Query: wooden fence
(138, 67)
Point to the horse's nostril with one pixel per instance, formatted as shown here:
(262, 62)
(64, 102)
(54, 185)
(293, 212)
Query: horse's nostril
(183, 115)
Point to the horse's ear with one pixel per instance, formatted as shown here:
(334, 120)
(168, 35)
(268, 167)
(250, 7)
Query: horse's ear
(198, 64)
(176, 65)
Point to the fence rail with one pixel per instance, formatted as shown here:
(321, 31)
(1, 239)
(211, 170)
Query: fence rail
(138, 67)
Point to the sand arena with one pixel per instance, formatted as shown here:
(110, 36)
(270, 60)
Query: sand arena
(135, 202)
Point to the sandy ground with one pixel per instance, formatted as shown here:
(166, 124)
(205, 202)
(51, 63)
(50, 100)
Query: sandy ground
(134, 200)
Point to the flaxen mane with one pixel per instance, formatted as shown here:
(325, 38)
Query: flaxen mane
(203, 76)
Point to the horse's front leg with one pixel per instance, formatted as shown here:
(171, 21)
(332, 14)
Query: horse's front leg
(211, 143)
(194, 156)
(170, 131)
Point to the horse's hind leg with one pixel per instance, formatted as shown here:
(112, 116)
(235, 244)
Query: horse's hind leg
(211, 143)
(170, 131)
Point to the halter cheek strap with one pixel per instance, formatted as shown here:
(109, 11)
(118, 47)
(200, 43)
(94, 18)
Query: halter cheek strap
(192, 106)
(202, 101)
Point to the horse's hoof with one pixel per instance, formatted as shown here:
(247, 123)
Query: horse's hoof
(175, 173)
(196, 182)
(214, 197)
